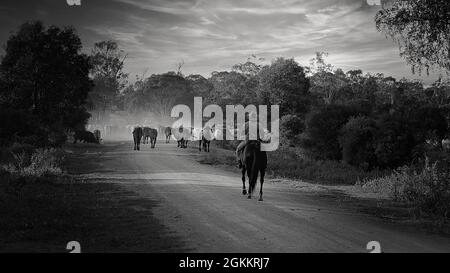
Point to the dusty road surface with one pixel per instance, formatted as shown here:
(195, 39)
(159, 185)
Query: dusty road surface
(203, 207)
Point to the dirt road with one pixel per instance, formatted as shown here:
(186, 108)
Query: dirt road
(203, 206)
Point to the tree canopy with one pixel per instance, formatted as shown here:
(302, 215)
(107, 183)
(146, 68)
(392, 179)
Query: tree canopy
(46, 75)
(422, 30)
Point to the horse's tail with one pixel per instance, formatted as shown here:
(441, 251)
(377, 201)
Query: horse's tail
(253, 178)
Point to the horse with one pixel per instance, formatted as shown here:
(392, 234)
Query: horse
(137, 135)
(150, 133)
(254, 161)
(168, 133)
(206, 136)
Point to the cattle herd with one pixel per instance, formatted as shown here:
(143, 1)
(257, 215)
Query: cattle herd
(148, 135)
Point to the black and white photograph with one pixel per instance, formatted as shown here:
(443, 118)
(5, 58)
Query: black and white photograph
(231, 129)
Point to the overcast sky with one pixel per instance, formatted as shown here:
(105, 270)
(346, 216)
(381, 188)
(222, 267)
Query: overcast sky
(212, 35)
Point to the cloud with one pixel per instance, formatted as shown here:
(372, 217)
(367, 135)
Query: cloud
(214, 35)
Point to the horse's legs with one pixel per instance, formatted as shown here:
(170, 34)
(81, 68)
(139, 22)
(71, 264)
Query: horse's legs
(200, 145)
(250, 187)
(244, 191)
(261, 181)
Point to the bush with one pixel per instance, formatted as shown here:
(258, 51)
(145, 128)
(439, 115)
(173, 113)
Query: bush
(20, 126)
(291, 127)
(286, 162)
(356, 141)
(427, 190)
(40, 163)
(394, 142)
(322, 129)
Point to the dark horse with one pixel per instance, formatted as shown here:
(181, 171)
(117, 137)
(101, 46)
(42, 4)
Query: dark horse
(168, 133)
(254, 161)
(206, 136)
(150, 133)
(137, 135)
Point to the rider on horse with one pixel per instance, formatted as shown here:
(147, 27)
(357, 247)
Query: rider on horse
(241, 146)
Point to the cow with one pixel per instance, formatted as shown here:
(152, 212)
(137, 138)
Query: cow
(182, 135)
(84, 136)
(150, 133)
(98, 135)
(206, 136)
(137, 135)
(168, 134)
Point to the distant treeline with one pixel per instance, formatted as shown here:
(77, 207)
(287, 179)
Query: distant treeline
(366, 120)
(48, 87)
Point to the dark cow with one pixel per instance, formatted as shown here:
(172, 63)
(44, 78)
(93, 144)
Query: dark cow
(84, 136)
(137, 135)
(150, 133)
(168, 134)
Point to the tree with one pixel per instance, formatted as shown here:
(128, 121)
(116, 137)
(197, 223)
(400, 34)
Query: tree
(422, 30)
(46, 75)
(109, 79)
(201, 87)
(250, 68)
(159, 93)
(356, 141)
(232, 88)
(323, 126)
(291, 127)
(284, 83)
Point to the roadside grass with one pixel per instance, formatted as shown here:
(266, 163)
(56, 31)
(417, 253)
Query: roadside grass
(426, 191)
(287, 163)
(42, 209)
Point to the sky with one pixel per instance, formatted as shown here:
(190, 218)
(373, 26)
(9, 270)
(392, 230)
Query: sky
(213, 35)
